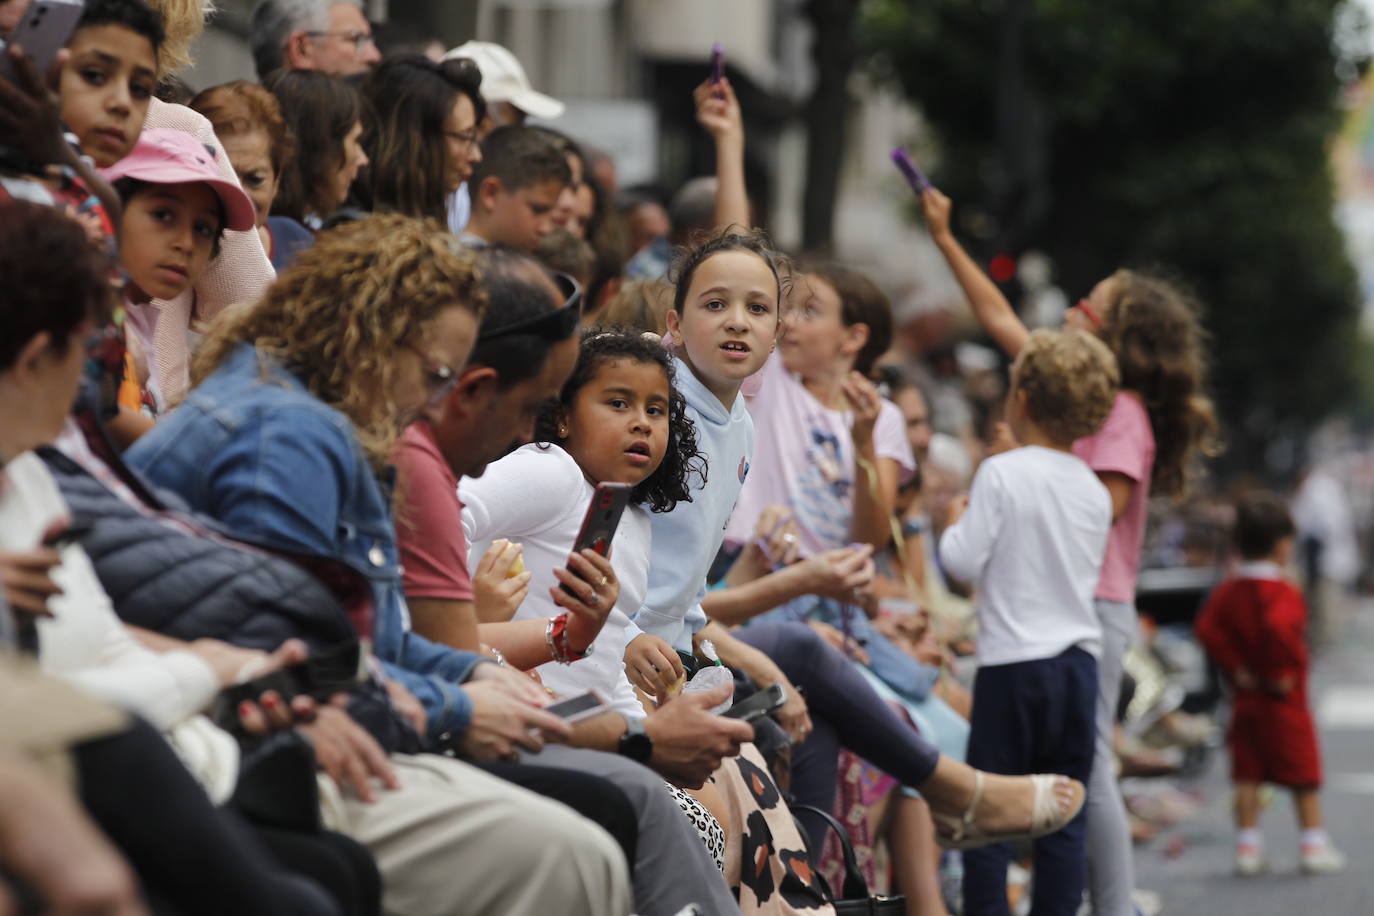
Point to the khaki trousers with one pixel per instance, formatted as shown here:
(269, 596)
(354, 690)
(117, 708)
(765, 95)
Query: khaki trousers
(456, 841)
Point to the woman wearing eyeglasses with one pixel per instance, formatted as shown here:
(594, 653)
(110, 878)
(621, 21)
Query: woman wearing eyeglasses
(422, 142)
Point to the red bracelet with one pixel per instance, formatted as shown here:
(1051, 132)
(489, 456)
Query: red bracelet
(560, 648)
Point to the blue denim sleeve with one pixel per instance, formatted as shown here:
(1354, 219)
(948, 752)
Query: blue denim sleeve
(446, 704)
(282, 479)
(421, 655)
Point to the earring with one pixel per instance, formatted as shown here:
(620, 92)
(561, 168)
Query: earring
(562, 432)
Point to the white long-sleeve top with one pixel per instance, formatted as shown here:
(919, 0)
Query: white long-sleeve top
(537, 496)
(1032, 540)
(84, 642)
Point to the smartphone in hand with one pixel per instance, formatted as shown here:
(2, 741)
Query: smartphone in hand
(762, 703)
(44, 30)
(599, 524)
(579, 707)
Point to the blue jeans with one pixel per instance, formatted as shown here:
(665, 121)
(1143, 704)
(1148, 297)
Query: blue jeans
(1034, 717)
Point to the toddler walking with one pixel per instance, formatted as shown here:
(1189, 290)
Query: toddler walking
(1032, 537)
(1253, 626)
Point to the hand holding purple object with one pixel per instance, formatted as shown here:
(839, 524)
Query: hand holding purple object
(913, 175)
(717, 66)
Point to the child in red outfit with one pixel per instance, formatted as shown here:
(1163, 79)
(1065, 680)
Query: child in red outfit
(1253, 626)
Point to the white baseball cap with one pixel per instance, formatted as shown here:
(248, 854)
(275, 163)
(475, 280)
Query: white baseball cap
(504, 80)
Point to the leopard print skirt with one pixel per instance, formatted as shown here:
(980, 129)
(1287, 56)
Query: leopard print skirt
(708, 828)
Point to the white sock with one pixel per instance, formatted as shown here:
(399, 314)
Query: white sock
(1250, 836)
(1315, 837)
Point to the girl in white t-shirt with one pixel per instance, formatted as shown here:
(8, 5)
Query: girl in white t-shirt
(619, 420)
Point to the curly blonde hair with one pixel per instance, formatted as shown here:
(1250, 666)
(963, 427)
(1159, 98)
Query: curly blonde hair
(340, 316)
(1152, 327)
(183, 21)
(1070, 380)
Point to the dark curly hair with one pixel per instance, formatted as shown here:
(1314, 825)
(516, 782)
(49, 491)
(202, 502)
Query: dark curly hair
(671, 483)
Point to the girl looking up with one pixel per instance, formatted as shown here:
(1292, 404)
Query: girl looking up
(1159, 420)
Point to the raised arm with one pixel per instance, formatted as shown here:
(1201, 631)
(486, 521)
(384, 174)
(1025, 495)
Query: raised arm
(990, 307)
(718, 111)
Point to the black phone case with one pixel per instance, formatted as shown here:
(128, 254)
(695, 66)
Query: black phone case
(762, 703)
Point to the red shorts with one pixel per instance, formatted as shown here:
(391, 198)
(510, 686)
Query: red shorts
(1274, 740)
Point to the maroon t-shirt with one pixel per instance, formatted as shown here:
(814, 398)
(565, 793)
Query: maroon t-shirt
(429, 527)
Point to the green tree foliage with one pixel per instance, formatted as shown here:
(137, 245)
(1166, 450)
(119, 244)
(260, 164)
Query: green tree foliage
(1187, 135)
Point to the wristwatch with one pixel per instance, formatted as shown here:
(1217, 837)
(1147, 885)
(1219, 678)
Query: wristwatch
(635, 743)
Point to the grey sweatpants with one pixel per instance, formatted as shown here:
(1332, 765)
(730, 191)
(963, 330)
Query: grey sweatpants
(1111, 875)
(672, 867)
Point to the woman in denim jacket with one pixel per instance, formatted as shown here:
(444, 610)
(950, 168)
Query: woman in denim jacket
(299, 400)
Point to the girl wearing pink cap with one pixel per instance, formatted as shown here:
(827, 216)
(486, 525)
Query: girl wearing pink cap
(176, 208)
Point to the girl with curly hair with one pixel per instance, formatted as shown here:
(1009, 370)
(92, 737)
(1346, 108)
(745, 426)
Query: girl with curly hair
(1160, 421)
(619, 418)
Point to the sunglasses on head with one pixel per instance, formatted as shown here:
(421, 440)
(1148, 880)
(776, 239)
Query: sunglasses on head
(554, 325)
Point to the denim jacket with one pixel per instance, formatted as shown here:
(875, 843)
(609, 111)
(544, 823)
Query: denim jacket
(250, 446)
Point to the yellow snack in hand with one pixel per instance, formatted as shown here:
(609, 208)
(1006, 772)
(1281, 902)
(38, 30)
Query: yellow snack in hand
(517, 567)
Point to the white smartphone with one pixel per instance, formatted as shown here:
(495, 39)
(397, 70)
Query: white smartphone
(579, 707)
(44, 30)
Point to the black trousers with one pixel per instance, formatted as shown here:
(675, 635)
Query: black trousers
(190, 857)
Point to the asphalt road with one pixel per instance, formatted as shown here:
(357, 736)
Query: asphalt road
(1190, 866)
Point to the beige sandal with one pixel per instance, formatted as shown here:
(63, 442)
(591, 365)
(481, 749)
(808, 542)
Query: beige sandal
(965, 833)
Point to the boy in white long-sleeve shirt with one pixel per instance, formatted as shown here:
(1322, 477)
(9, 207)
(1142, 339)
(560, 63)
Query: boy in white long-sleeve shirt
(1033, 537)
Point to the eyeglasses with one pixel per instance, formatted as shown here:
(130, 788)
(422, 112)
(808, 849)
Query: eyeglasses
(464, 137)
(439, 379)
(358, 39)
(557, 324)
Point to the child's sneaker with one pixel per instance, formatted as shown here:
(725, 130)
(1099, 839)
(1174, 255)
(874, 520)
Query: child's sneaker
(1321, 859)
(1249, 860)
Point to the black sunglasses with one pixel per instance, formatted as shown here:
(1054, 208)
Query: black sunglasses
(558, 324)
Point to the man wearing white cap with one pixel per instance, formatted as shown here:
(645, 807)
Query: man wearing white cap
(510, 100)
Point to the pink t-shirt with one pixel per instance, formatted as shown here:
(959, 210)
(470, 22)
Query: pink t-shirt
(1125, 444)
(429, 527)
(804, 458)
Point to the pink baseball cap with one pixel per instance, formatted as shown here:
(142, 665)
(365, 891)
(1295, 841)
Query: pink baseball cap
(166, 156)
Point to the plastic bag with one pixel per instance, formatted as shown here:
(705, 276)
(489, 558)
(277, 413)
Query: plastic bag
(709, 677)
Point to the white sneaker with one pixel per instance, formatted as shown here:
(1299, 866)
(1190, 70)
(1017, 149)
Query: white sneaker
(1326, 859)
(1249, 861)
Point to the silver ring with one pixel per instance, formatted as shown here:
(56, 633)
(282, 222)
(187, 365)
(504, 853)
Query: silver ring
(594, 599)
(789, 538)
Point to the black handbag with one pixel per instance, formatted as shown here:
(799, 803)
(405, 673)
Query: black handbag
(854, 897)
